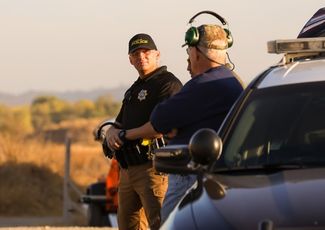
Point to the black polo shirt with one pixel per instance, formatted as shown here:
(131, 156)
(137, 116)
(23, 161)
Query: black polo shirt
(141, 98)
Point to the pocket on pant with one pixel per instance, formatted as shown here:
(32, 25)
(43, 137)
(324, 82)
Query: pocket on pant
(158, 193)
(160, 186)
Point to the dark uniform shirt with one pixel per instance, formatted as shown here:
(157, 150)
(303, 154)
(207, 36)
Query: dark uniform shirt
(141, 98)
(203, 102)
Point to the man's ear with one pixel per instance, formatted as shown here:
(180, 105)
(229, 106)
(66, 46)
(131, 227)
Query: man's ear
(130, 59)
(158, 55)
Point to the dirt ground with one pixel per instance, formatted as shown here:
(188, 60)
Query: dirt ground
(56, 228)
(48, 223)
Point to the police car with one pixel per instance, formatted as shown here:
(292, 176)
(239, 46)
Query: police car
(265, 168)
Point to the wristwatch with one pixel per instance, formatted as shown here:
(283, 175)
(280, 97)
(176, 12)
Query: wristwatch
(121, 135)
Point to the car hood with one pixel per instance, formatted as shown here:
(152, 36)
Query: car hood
(287, 198)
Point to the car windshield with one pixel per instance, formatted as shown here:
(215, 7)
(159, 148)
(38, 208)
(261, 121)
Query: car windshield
(282, 125)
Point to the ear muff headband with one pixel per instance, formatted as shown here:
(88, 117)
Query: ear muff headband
(221, 19)
(192, 35)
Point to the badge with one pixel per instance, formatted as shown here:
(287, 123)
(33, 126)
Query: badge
(142, 95)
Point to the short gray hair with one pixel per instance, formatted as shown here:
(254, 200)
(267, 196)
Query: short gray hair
(212, 37)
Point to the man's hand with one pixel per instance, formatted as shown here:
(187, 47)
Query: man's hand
(113, 141)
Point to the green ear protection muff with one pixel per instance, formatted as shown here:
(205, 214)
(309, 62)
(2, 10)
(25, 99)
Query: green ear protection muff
(192, 35)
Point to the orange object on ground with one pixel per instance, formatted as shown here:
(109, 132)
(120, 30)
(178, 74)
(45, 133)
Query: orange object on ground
(112, 181)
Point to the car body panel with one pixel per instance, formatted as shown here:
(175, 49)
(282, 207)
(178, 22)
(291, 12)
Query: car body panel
(289, 199)
(297, 72)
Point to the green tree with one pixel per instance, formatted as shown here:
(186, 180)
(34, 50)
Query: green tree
(22, 119)
(15, 120)
(107, 106)
(46, 110)
(85, 109)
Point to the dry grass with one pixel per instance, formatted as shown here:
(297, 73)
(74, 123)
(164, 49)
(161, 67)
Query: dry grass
(32, 170)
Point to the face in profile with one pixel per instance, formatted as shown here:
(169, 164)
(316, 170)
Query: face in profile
(189, 69)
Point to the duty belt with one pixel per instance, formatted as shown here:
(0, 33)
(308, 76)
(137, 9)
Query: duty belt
(137, 152)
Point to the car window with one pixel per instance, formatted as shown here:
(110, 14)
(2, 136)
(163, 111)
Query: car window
(279, 125)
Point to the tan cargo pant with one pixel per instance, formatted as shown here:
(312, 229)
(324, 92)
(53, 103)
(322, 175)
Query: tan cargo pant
(140, 186)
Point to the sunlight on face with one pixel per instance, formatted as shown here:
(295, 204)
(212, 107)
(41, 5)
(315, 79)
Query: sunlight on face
(145, 61)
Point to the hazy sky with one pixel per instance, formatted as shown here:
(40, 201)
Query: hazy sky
(82, 44)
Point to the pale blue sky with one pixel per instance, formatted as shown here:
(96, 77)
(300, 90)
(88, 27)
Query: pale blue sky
(82, 44)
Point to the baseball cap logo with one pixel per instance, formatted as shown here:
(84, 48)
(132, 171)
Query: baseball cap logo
(139, 41)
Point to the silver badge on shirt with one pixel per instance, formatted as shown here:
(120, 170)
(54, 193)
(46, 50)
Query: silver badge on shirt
(142, 95)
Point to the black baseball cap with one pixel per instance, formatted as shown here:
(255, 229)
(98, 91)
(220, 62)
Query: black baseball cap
(141, 41)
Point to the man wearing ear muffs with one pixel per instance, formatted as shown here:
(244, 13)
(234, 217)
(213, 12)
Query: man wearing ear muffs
(203, 102)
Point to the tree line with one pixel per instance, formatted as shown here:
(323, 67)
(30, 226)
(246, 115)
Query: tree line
(46, 111)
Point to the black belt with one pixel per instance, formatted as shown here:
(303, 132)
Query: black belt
(137, 152)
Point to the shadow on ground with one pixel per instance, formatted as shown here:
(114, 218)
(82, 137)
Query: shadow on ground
(30, 193)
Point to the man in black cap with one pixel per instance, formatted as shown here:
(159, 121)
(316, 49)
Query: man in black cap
(140, 185)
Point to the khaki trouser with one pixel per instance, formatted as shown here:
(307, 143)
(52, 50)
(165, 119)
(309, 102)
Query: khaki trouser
(140, 186)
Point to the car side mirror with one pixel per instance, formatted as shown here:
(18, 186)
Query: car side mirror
(205, 146)
(172, 159)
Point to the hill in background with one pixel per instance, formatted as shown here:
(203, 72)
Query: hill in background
(27, 97)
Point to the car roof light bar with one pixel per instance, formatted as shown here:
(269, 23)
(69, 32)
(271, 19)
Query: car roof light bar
(299, 45)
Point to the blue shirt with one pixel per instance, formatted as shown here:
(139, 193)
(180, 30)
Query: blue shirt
(203, 102)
